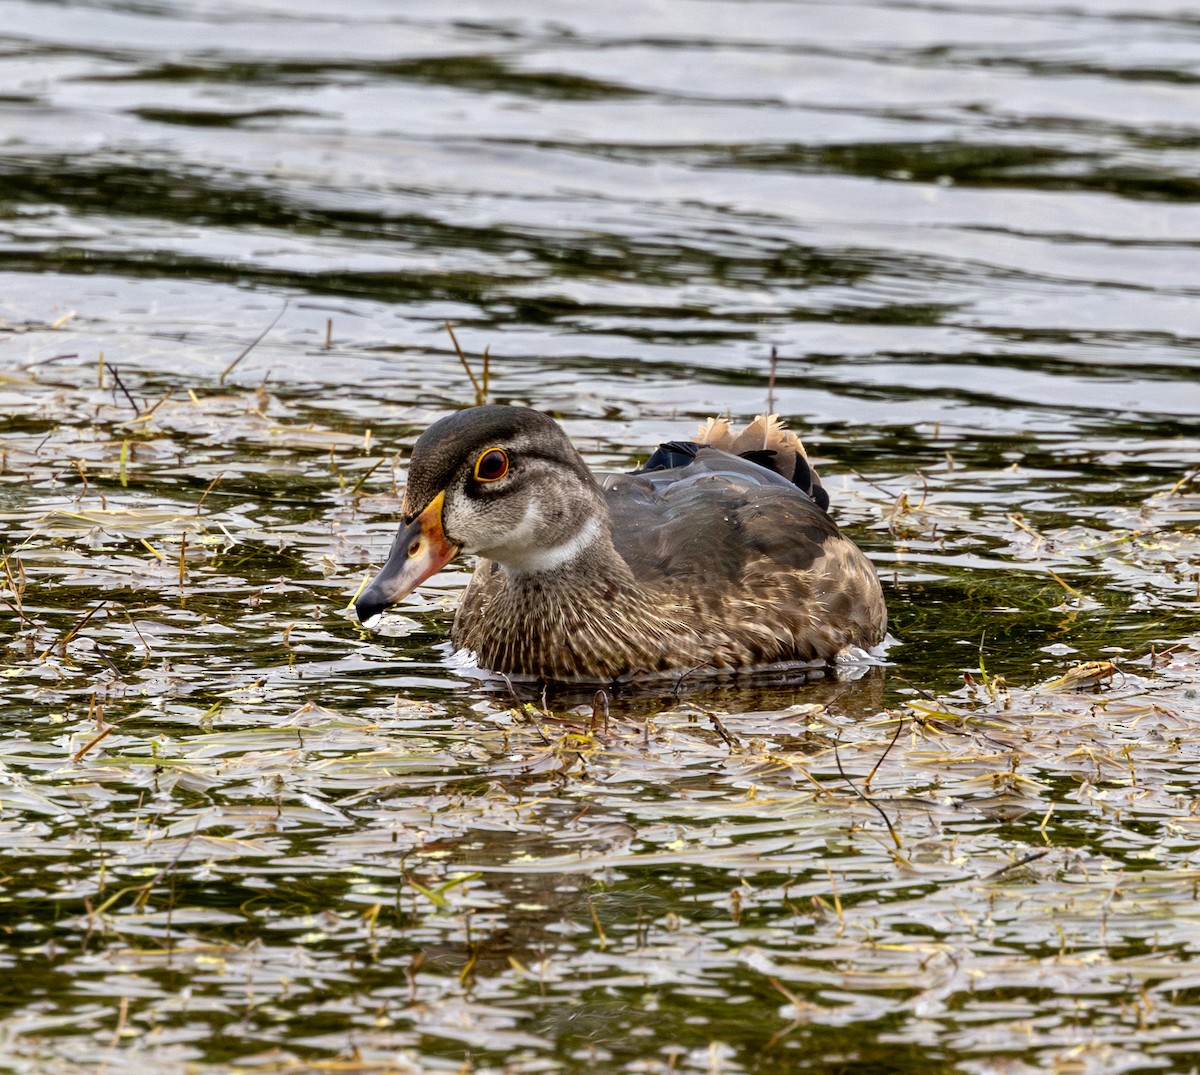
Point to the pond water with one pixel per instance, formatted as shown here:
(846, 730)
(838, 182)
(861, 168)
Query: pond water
(240, 833)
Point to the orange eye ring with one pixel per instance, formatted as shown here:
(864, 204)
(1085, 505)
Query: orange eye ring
(491, 465)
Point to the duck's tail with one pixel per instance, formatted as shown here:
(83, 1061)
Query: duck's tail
(767, 442)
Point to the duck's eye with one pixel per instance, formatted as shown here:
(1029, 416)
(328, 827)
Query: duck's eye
(491, 465)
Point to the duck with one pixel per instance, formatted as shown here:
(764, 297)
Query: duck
(717, 556)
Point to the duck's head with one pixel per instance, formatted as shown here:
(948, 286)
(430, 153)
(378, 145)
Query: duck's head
(501, 482)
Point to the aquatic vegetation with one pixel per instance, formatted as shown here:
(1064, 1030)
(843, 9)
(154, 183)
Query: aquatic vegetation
(241, 828)
(954, 244)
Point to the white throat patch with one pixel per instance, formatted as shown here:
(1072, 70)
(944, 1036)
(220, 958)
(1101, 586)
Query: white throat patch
(536, 560)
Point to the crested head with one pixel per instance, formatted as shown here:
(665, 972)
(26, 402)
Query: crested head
(441, 450)
(502, 482)
(515, 489)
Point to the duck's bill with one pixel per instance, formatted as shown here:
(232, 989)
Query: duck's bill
(420, 550)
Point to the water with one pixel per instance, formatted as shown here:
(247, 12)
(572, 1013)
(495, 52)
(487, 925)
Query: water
(238, 832)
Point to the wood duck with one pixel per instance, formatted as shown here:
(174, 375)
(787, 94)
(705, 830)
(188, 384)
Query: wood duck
(715, 556)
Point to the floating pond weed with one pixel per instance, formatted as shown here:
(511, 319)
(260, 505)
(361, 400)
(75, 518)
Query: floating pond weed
(238, 834)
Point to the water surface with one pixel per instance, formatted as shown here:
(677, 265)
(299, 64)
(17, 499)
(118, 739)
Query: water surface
(240, 833)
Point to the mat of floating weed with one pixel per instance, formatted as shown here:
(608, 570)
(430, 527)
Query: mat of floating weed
(226, 816)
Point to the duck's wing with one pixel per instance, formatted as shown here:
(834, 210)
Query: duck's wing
(711, 517)
(738, 541)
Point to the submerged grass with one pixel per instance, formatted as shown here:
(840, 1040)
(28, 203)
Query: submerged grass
(238, 832)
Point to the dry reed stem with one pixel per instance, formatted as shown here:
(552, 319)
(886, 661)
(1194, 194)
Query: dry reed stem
(253, 343)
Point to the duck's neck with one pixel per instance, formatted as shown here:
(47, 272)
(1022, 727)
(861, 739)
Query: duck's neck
(582, 616)
(583, 548)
